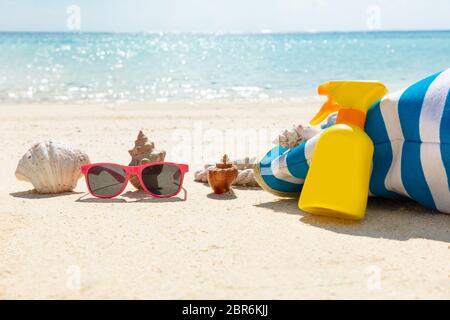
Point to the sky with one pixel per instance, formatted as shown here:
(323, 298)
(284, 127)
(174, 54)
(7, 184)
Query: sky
(223, 15)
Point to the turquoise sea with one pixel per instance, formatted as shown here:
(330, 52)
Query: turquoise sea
(107, 67)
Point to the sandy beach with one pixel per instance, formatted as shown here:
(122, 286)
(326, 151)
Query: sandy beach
(248, 245)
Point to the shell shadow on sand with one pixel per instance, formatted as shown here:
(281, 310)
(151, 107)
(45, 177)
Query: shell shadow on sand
(33, 194)
(230, 195)
(385, 218)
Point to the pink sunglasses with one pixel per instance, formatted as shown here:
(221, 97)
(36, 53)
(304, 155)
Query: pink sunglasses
(159, 179)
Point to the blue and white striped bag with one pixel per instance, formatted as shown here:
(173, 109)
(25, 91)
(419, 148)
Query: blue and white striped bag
(410, 130)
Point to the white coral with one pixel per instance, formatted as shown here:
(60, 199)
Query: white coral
(292, 138)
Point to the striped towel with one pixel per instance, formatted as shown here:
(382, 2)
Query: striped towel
(410, 130)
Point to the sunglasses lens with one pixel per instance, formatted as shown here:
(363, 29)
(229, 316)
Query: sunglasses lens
(162, 179)
(106, 180)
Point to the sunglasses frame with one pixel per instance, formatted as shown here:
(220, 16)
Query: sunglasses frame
(135, 170)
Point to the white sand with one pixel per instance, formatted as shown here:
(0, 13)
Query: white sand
(251, 245)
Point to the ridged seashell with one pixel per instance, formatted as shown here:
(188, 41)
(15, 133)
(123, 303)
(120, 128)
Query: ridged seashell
(51, 167)
(143, 152)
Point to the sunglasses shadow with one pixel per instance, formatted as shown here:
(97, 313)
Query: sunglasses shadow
(134, 196)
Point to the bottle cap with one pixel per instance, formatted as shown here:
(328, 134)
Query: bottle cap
(345, 94)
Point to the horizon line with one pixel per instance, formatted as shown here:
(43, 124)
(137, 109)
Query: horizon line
(261, 32)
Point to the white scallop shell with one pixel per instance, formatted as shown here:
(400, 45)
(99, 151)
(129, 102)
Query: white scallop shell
(51, 167)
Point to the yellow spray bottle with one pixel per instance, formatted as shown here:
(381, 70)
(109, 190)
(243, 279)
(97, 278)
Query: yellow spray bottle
(337, 183)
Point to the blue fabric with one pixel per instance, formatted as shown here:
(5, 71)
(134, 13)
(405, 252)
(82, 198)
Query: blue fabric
(382, 156)
(409, 109)
(445, 137)
(267, 174)
(297, 163)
